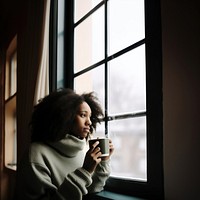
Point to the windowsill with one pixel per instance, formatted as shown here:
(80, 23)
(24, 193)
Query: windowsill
(113, 196)
(11, 166)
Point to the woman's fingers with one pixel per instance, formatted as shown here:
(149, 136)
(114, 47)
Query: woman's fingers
(94, 145)
(95, 151)
(92, 158)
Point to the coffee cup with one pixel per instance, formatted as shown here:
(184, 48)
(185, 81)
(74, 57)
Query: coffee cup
(103, 145)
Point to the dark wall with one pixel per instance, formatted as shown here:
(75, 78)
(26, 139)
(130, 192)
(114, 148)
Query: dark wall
(181, 98)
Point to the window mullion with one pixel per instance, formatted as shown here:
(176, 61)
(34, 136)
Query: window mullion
(126, 115)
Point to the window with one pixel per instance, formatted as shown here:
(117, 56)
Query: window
(113, 48)
(10, 106)
(106, 47)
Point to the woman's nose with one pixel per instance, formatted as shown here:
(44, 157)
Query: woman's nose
(89, 122)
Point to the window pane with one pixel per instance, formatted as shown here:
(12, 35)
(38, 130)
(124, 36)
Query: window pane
(60, 44)
(89, 41)
(129, 139)
(127, 82)
(126, 23)
(7, 81)
(83, 7)
(91, 81)
(13, 79)
(100, 131)
(10, 133)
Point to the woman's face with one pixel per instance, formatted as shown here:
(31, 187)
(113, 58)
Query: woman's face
(82, 122)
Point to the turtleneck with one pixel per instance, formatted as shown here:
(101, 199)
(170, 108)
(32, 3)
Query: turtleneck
(69, 146)
(56, 168)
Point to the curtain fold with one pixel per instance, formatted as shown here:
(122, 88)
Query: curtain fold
(42, 84)
(30, 50)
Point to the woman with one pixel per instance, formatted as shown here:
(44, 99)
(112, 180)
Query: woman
(57, 165)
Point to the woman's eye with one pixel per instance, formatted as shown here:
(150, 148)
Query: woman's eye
(82, 115)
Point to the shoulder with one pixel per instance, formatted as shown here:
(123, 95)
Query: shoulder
(38, 152)
(38, 148)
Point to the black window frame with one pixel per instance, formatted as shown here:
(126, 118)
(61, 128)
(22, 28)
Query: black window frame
(154, 187)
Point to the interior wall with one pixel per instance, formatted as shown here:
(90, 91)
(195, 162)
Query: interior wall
(181, 96)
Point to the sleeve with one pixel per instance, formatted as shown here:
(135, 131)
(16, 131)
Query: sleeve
(37, 184)
(99, 177)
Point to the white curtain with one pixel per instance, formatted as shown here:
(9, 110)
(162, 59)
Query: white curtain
(42, 84)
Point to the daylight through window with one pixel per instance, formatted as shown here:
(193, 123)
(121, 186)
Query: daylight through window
(109, 58)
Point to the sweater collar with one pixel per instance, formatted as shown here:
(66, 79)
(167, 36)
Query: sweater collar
(69, 146)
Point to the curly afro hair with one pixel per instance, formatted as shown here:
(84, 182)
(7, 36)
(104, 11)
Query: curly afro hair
(54, 115)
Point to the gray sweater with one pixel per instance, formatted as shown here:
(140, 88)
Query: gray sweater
(54, 171)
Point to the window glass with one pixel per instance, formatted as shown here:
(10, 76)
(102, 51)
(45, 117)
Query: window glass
(126, 23)
(83, 8)
(89, 41)
(127, 82)
(91, 81)
(7, 80)
(120, 83)
(10, 133)
(60, 44)
(100, 131)
(13, 75)
(129, 137)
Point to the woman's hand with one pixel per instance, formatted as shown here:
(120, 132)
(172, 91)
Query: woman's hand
(92, 158)
(111, 149)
